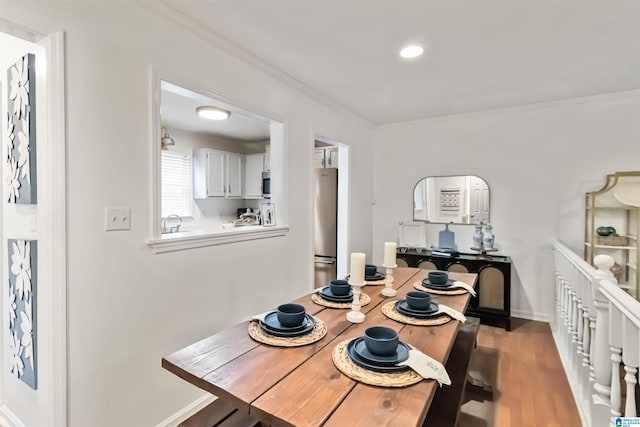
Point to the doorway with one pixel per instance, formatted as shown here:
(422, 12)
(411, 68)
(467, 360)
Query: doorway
(330, 179)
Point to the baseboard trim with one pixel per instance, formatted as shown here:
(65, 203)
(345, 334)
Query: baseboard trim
(187, 411)
(540, 317)
(8, 419)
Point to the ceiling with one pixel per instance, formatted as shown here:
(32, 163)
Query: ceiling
(479, 54)
(178, 110)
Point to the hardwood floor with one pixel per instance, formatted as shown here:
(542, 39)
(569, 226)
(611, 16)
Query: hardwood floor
(525, 374)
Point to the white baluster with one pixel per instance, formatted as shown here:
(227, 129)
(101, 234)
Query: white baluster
(601, 402)
(616, 396)
(630, 401)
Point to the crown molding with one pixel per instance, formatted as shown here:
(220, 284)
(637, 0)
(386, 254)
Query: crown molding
(517, 108)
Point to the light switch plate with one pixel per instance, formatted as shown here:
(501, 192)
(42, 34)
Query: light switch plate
(117, 219)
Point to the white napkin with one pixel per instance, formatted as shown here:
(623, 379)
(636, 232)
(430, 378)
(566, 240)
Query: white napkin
(451, 312)
(459, 284)
(261, 317)
(426, 367)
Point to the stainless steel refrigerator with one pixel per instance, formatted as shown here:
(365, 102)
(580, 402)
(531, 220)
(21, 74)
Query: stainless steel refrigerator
(326, 235)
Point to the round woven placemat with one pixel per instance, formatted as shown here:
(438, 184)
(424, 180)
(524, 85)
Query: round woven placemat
(316, 334)
(457, 291)
(364, 300)
(392, 379)
(389, 310)
(375, 282)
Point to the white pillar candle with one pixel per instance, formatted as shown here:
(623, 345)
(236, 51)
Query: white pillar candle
(357, 267)
(390, 253)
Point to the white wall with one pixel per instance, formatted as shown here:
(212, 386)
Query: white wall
(127, 306)
(538, 161)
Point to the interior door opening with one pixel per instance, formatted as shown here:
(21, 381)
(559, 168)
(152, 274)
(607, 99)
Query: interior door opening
(330, 176)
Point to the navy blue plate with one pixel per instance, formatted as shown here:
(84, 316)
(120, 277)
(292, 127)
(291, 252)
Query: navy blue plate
(427, 283)
(374, 278)
(326, 291)
(308, 326)
(272, 323)
(334, 299)
(400, 308)
(433, 307)
(358, 360)
(401, 354)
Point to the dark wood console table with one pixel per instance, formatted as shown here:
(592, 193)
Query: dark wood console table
(493, 302)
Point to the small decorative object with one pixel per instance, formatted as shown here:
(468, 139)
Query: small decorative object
(389, 264)
(478, 236)
(488, 238)
(22, 270)
(446, 238)
(605, 231)
(618, 271)
(20, 163)
(356, 279)
(268, 212)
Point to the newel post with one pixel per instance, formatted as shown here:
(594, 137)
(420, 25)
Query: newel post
(601, 399)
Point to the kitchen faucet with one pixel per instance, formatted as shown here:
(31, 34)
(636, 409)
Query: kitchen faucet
(173, 229)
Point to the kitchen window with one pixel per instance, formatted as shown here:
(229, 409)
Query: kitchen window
(177, 184)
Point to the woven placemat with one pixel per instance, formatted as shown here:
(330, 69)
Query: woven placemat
(375, 282)
(457, 291)
(364, 300)
(343, 362)
(316, 334)
(389, 310)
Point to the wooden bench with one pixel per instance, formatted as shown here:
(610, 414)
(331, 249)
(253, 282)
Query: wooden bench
(445, 407)
(220, 414)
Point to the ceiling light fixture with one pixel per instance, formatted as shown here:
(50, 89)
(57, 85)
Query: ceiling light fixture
(411, 51)
(212, 113)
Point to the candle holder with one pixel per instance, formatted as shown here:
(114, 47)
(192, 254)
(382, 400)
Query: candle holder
(355, 315)
(388, 290)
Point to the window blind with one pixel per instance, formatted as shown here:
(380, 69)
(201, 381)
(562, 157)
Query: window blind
(177, 184)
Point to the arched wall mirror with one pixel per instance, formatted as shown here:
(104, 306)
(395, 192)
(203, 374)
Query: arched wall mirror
(460, 199)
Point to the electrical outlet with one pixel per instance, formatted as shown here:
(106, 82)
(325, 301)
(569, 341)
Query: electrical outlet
(117, 219)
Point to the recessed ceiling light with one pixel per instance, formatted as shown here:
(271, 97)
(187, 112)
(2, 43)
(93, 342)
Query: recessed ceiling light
(411, 51)
(212, 113)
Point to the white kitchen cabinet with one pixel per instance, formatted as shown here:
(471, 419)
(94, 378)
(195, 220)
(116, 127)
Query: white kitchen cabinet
(217, 173)
(253, 168)
(326, 157)
(234, 174)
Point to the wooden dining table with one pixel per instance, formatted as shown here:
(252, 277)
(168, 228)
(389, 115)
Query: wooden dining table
(301, 386)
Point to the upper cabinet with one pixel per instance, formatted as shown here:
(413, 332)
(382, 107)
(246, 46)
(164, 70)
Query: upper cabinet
(326, 157)
(253, 168)
(612, 218)
(217, 174)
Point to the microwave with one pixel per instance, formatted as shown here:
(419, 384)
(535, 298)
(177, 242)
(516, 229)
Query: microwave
(266, 185)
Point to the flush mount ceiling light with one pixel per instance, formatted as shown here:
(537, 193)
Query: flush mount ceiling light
(411, 51)
(212, 113)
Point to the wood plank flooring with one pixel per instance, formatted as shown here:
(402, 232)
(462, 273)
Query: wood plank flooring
(525, 374)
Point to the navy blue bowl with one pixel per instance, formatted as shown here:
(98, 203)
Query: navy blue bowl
(438, 277)
(339, 287)
(381, 340)
(291, 314)
(370, 270)
(418, 300)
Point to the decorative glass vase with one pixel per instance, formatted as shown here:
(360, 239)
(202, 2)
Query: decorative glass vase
(477, 237)
(488, 238)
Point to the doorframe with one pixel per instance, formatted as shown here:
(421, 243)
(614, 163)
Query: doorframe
(51, 222)
(343, 203)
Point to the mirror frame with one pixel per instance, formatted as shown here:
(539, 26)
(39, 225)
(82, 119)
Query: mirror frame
(458, 202)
